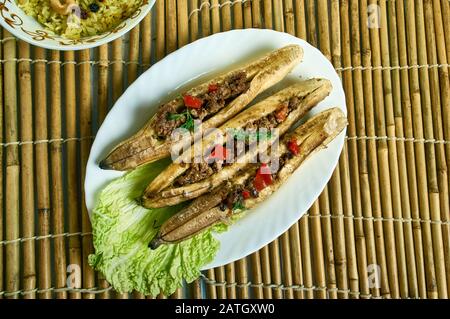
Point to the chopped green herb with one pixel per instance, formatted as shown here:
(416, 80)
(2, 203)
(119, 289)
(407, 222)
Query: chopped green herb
(238, 205)
(188, 125)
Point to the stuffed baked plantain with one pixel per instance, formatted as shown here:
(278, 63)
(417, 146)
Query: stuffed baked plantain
(256, 182)
(189, 179)
(213, 102)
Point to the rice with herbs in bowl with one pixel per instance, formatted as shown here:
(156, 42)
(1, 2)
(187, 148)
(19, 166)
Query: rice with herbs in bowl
(75, 19)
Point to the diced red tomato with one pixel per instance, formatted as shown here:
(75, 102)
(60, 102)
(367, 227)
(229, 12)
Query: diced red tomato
(192, 102)
(219, 152)
(258, 183)
(263, 177)
(267, 179)
(246, 194)
(293, 146)
(213, 88)
(281, 113)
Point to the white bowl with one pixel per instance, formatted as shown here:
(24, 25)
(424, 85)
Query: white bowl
(26, 28)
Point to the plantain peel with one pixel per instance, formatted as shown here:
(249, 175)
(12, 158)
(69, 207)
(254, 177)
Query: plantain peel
(162, 191)
(208, 210)
(149, 144)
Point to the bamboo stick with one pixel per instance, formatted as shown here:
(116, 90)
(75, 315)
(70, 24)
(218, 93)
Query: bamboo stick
(391, 58)
(178, 294)
(424, 208)
(387, 164)
(206, 30)
(323, 216)
(211, 289)
(306, 258)
(160, 30)
(340, 195)
(26, 169)
(102, 100)
(444, 80)
(339, 235)
(266, 276)
(42, 172)
(359, 154)
(226, 15)
(247, 14)
(237, 15)
(196, 289)
(220, 278)
(350, 182)
(300, 29)
(268, 22)
(435, 130)
(183, 23)
(384, 254)
(103, 284)
(73, 204)
(278, 15)
(318, 251)
(323, 28)
(193, 19)
(311, 15)
(59, 243)
(171, 26)
(256, 275)
(289, 17)
(146, 38)
(287, 270)
(445, 9)
(256, 14)
(12, 250)
(230, 275)
(337, 258)
(275, 267)
(296, 258)
(410, 150)
(242, 278)
(117, 69)
(347, 230)
(86, 130)
(161, 296)
(215, 16)
(133, 55)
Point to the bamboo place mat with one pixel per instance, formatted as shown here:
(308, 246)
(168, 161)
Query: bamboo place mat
(380, 229)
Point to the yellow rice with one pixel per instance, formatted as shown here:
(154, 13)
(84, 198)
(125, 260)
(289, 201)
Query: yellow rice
(110, 14)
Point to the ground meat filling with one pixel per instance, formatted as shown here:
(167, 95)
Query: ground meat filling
(168, 118)
(196, 172)
(272, 120)
(216, 99)
(164, 126)
(200, 171)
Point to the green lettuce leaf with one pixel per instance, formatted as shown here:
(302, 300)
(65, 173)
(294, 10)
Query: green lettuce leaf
(122, 230)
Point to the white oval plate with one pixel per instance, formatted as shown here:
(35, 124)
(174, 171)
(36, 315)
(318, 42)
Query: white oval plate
(205, 58)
